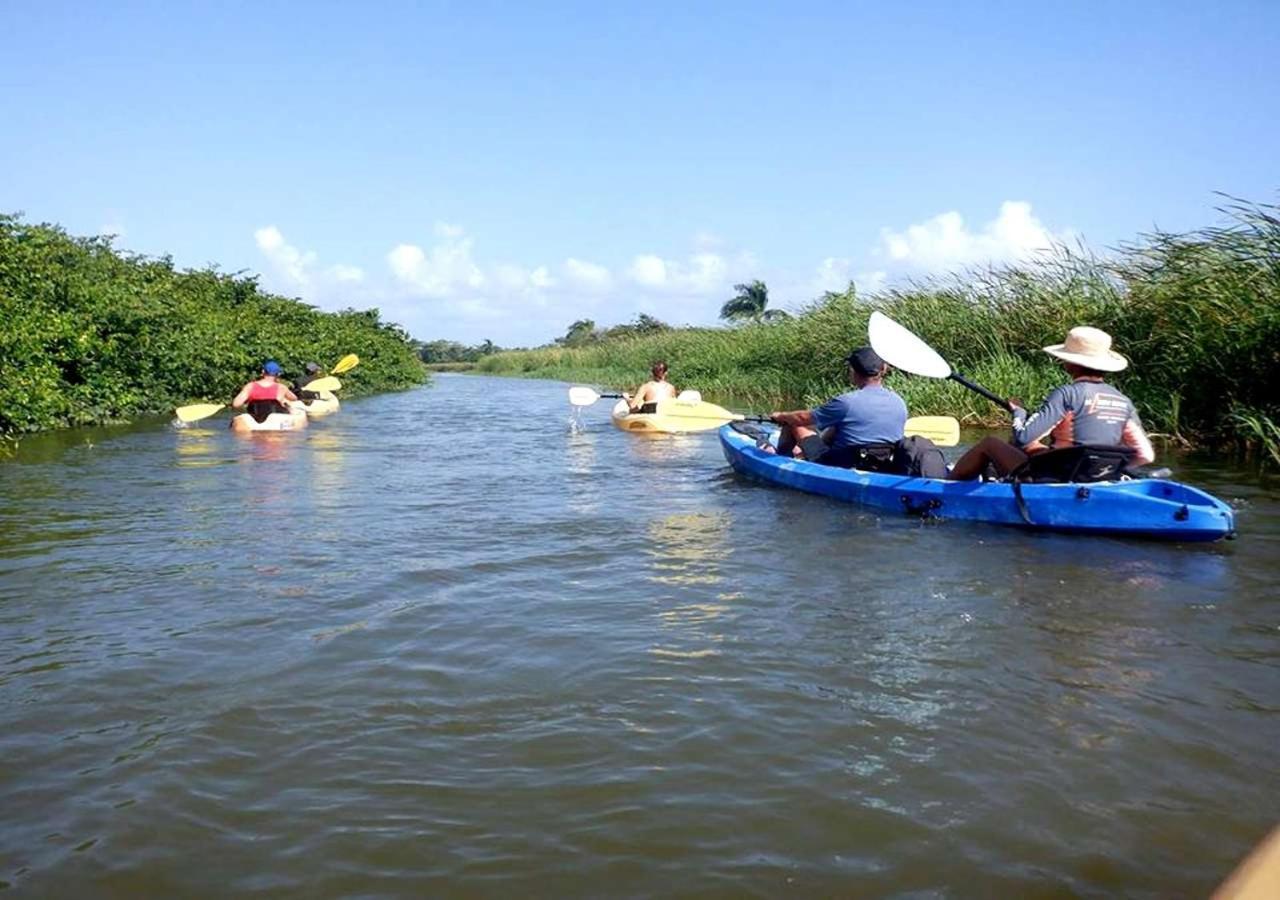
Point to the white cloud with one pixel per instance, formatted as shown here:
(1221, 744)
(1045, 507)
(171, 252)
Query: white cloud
(444, 270)
(298, 270)
(587, 275)
(649, 271)
(945, 242)
(347, 273)
(701, 274)
(288, 260)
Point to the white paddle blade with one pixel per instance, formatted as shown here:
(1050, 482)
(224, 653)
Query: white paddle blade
(582, 396)
(903, 350)
(690, 396)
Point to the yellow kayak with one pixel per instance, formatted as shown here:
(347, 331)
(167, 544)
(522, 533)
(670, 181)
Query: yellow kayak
(326, 403)
(677, 416)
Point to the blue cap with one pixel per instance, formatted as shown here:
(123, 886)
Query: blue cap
(271, 367)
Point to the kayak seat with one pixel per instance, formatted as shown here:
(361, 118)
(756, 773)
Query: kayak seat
(1078, 463)
(260, 409)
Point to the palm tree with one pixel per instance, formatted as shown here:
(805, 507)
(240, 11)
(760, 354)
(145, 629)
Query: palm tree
(748, 303)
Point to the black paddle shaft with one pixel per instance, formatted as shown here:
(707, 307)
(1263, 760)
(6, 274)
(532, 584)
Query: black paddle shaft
(979, 389)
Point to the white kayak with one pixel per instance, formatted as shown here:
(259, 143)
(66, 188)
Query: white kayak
(274, 422)
(327, 403)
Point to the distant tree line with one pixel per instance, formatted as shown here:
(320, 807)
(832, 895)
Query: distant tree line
(584, 331)
(432, 352)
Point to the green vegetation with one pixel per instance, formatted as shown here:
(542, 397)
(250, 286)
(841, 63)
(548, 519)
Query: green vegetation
(584, 332)
(749, 304)
(89, 334)
(1198, 315)
(451, 356)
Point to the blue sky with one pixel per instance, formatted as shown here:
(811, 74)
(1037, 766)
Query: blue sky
(485, 170)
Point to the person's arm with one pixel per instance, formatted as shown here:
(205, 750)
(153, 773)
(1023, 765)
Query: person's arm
(640, 399)
(1033, 429)
(1134, 436)
(285, 394)
(243, 397)
(793, 418)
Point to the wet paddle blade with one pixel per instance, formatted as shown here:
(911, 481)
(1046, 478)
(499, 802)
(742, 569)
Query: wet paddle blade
(328, 383)
(903, 350)
(942, 430)
(197, 411)
(346, 364)
(582, 396)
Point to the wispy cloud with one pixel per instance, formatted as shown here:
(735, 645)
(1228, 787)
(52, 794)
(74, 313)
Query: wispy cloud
(299, 270)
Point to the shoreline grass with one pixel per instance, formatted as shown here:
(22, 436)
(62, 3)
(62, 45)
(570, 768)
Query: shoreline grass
(1197, 314)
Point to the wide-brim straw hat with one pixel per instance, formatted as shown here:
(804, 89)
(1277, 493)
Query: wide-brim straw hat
(1089, 347)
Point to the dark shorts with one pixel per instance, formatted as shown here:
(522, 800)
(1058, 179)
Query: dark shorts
(872, 458)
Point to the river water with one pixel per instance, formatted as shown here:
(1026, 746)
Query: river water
(446, 643)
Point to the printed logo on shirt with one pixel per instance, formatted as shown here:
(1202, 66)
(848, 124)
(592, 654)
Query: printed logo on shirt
(1107, 407)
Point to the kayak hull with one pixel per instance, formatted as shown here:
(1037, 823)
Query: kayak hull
(327, 404)
(1145, 507)
(246, 423)
(673, 417)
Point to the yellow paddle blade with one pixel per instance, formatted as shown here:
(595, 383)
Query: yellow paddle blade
(328, 383)
(197, 411)
(695, 409)
(346, 364)
(942, 430)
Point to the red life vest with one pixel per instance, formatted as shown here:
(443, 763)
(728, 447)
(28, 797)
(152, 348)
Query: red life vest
(258, 391)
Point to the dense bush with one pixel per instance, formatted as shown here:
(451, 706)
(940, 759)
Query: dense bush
(89, 334)
(1197, 314)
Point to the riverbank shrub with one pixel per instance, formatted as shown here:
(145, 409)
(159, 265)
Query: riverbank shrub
(89, 334)
(1198, 315)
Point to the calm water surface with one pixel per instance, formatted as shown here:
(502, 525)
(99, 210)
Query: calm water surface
(444, 643)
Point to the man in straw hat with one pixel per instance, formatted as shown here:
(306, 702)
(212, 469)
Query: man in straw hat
(1087, 411)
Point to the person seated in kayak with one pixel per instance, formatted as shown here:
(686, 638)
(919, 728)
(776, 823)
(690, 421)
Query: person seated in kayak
(311, 371)
(648, 395)
(266, 395)
(839, 431)
(1086, 411)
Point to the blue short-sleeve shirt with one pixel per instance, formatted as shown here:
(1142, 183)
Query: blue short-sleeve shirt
(870, 415)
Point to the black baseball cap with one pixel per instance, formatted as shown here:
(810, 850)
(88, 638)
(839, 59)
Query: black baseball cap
(865, 361)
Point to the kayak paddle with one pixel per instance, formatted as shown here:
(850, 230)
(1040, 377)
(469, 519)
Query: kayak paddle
(346, 364)
(197, 411)
(901, 349)
(942, 430)
(327, 383)
(584, 396)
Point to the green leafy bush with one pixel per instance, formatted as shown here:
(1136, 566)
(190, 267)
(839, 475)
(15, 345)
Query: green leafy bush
(89, 334)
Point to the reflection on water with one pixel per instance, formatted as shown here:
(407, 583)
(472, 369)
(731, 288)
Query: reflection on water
(586, 486)
(686, 552)
(688, 548)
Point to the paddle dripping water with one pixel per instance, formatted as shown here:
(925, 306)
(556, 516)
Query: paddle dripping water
(393, 655)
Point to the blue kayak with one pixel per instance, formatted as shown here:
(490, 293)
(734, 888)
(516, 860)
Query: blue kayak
(1142, 507)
